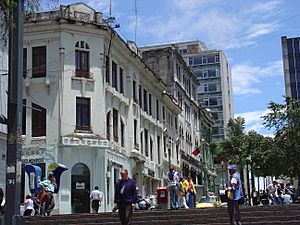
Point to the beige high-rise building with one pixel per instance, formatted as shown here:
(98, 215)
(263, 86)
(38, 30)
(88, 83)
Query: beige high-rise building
(214, 75)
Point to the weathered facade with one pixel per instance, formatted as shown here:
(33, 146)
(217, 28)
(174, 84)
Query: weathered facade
(193, 121)
(96, 108)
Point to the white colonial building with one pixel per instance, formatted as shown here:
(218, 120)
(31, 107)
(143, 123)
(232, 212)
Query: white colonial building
(95, 107)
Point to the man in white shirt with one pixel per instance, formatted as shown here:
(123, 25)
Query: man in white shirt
(272, 188)
(96, 198)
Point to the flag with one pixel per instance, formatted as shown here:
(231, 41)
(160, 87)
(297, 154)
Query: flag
(196, 151)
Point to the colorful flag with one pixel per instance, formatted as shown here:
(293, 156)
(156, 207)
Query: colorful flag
(196, 151)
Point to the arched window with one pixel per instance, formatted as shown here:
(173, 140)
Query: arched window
(82, 58)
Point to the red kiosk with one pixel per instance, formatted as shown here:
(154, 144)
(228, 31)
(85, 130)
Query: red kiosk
(162, 197)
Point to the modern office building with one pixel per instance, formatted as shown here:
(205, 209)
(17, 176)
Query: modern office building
(291, 65)
(214, 75)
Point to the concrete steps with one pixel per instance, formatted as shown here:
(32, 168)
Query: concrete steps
(285, 215)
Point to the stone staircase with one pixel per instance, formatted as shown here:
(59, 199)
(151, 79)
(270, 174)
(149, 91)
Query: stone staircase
(259, 215)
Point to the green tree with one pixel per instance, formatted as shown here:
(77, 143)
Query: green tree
(30, 6)
(232, 147)
(285, 120)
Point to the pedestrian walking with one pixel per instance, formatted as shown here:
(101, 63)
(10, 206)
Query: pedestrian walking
(96, 197)
(173, 186)
(49, 187)
(234, 193)
(191, 193)
(255, 197)
(28, 206)
(125, 197)
(183, 186)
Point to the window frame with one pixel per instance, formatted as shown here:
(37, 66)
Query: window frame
(39, 61)
(80, 114)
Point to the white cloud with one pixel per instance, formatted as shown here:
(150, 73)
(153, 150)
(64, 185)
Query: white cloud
(219, 24)
(245, 76)
(263, 7)
(255, 122)
(261, 29)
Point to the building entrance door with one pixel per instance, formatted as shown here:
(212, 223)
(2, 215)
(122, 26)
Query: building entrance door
(80, 195)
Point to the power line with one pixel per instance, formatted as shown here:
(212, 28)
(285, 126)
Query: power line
(254, 31)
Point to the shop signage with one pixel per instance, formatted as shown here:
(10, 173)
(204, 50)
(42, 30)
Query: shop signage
(34, 160)
(80, 185)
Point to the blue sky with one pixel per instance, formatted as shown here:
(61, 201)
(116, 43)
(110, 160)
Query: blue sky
(248, 31)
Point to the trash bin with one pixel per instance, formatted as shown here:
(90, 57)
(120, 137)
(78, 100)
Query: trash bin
(162, 197)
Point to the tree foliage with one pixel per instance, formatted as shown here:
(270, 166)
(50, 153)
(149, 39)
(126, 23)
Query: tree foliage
(30, 6)
(285, 119)
(231, 148)
(267, 156)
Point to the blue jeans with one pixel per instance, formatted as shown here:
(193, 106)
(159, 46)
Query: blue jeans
(190, 200)
(173, 197)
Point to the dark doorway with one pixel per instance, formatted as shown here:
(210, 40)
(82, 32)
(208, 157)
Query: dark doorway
(80, 196)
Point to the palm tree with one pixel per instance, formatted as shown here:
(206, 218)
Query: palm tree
(236, 127)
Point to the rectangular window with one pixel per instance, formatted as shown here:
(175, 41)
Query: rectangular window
(83, 114)
(24, 62)
(82, 64)
(38, 121)
(165, 146)
(212, 87)
(150, 104)
(213, 101)
(142, 143)
(122, 134)
(134, 91)
(114, 75)
(157, 109)
(176, 124)
(177, 153)
(108, 125)
(121, 81)
(151, 149)
(39, 61)
(140, 96)
(107, 70)
(205, 73)
(135, 132)
(115, 125)
(164, 113)
(145, 101)
(158, 149)
(146, 143)
(217, 58)
(24, 117)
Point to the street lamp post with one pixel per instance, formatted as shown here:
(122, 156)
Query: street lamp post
(14, 125)
(222, 173)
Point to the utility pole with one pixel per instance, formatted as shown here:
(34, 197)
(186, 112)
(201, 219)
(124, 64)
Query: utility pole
(14, 126)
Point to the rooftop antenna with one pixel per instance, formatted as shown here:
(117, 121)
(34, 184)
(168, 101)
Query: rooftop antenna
(136, 19)
(111, 23)
(109, 8)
